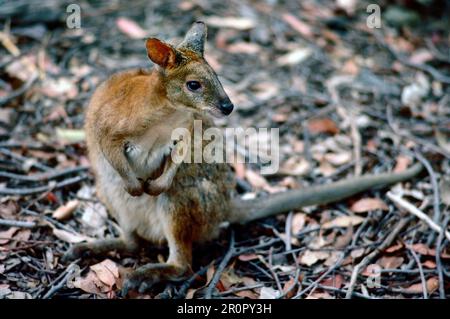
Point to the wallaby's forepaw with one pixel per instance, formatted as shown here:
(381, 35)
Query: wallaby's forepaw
(134, 188)
(143, 278)
(155, 187)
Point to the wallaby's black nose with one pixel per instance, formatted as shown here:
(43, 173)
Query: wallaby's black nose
(226, 107)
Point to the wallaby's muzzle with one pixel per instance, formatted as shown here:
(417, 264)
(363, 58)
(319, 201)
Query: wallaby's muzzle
(226, 107)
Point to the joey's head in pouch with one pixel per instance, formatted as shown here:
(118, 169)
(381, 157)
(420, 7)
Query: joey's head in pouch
(189, 80)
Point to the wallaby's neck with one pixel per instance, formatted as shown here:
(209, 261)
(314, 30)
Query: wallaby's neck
(157, 84)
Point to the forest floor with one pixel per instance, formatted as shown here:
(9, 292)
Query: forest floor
(347, 100)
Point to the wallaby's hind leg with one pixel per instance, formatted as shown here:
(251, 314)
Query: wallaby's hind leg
(177, 267)
(101, 247)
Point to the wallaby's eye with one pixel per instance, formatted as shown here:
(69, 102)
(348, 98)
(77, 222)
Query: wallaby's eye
(193, 85)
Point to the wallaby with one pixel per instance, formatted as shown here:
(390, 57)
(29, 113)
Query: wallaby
(128, 128)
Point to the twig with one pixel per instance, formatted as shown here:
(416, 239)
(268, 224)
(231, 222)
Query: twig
(270, 267)
(367, 259)
(434, 184)
(439, 266)
(68, 272)
(415, 139)
(288, 231)
(437, 54)
(316, 282)
(403, 203)
(19, 91)
(49, 175)
(341, 291)
(21, 158)
(41, 189)
(422, 276)
(183, 289)
(237, 289)
(297, 275)
(215, 279)
(16, 223)
(347, 116)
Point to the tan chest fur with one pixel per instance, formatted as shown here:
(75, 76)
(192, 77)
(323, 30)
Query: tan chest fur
(147, 151)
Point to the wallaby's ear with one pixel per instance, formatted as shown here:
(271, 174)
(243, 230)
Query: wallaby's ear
(195, 38)
(161, 53)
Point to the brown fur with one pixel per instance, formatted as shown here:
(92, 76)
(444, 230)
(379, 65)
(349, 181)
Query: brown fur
(184, 203)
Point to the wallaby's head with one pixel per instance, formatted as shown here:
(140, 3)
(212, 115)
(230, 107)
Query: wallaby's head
(188, 79)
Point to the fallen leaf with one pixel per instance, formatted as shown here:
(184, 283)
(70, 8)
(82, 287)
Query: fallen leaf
(413, 94)
(268, 293)
(345, 239)
(70, 237)
(319, 295)
(295, 165)
(288, 286)
(247, 294)
(23, 68)
(371, 270)
(7, 235)
(432, 285)
(23, 235)
(243, 47)
(343, 221)
(298, 223)
(238, 23)
(350, 67)
(349, 6)
(9, 209)
(421, 56)
(130, 28)
(394, 248)
(248, 281)
(265, 90)
(190, 293)
(310, 257)
(66, 211)
(256, 180)
(19, 295)
(89, 283)
(210, 273)
(425, 250)
(301, 27)
(70, 136)
(322, 125)
(107, 272)
(356, 253)
(229, 278)
(429, 264)
(248, 257)
(338, 159)
(390, 262)
(94, 218)
(402, 163)
(280, 117)
(294, 57)
(365, 205)
(61, 87)
(336, 281)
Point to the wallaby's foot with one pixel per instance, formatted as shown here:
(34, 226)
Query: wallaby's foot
(143, 278)
(98, 248)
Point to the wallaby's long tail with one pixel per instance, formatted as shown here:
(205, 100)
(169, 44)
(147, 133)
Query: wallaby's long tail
(248, 210)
